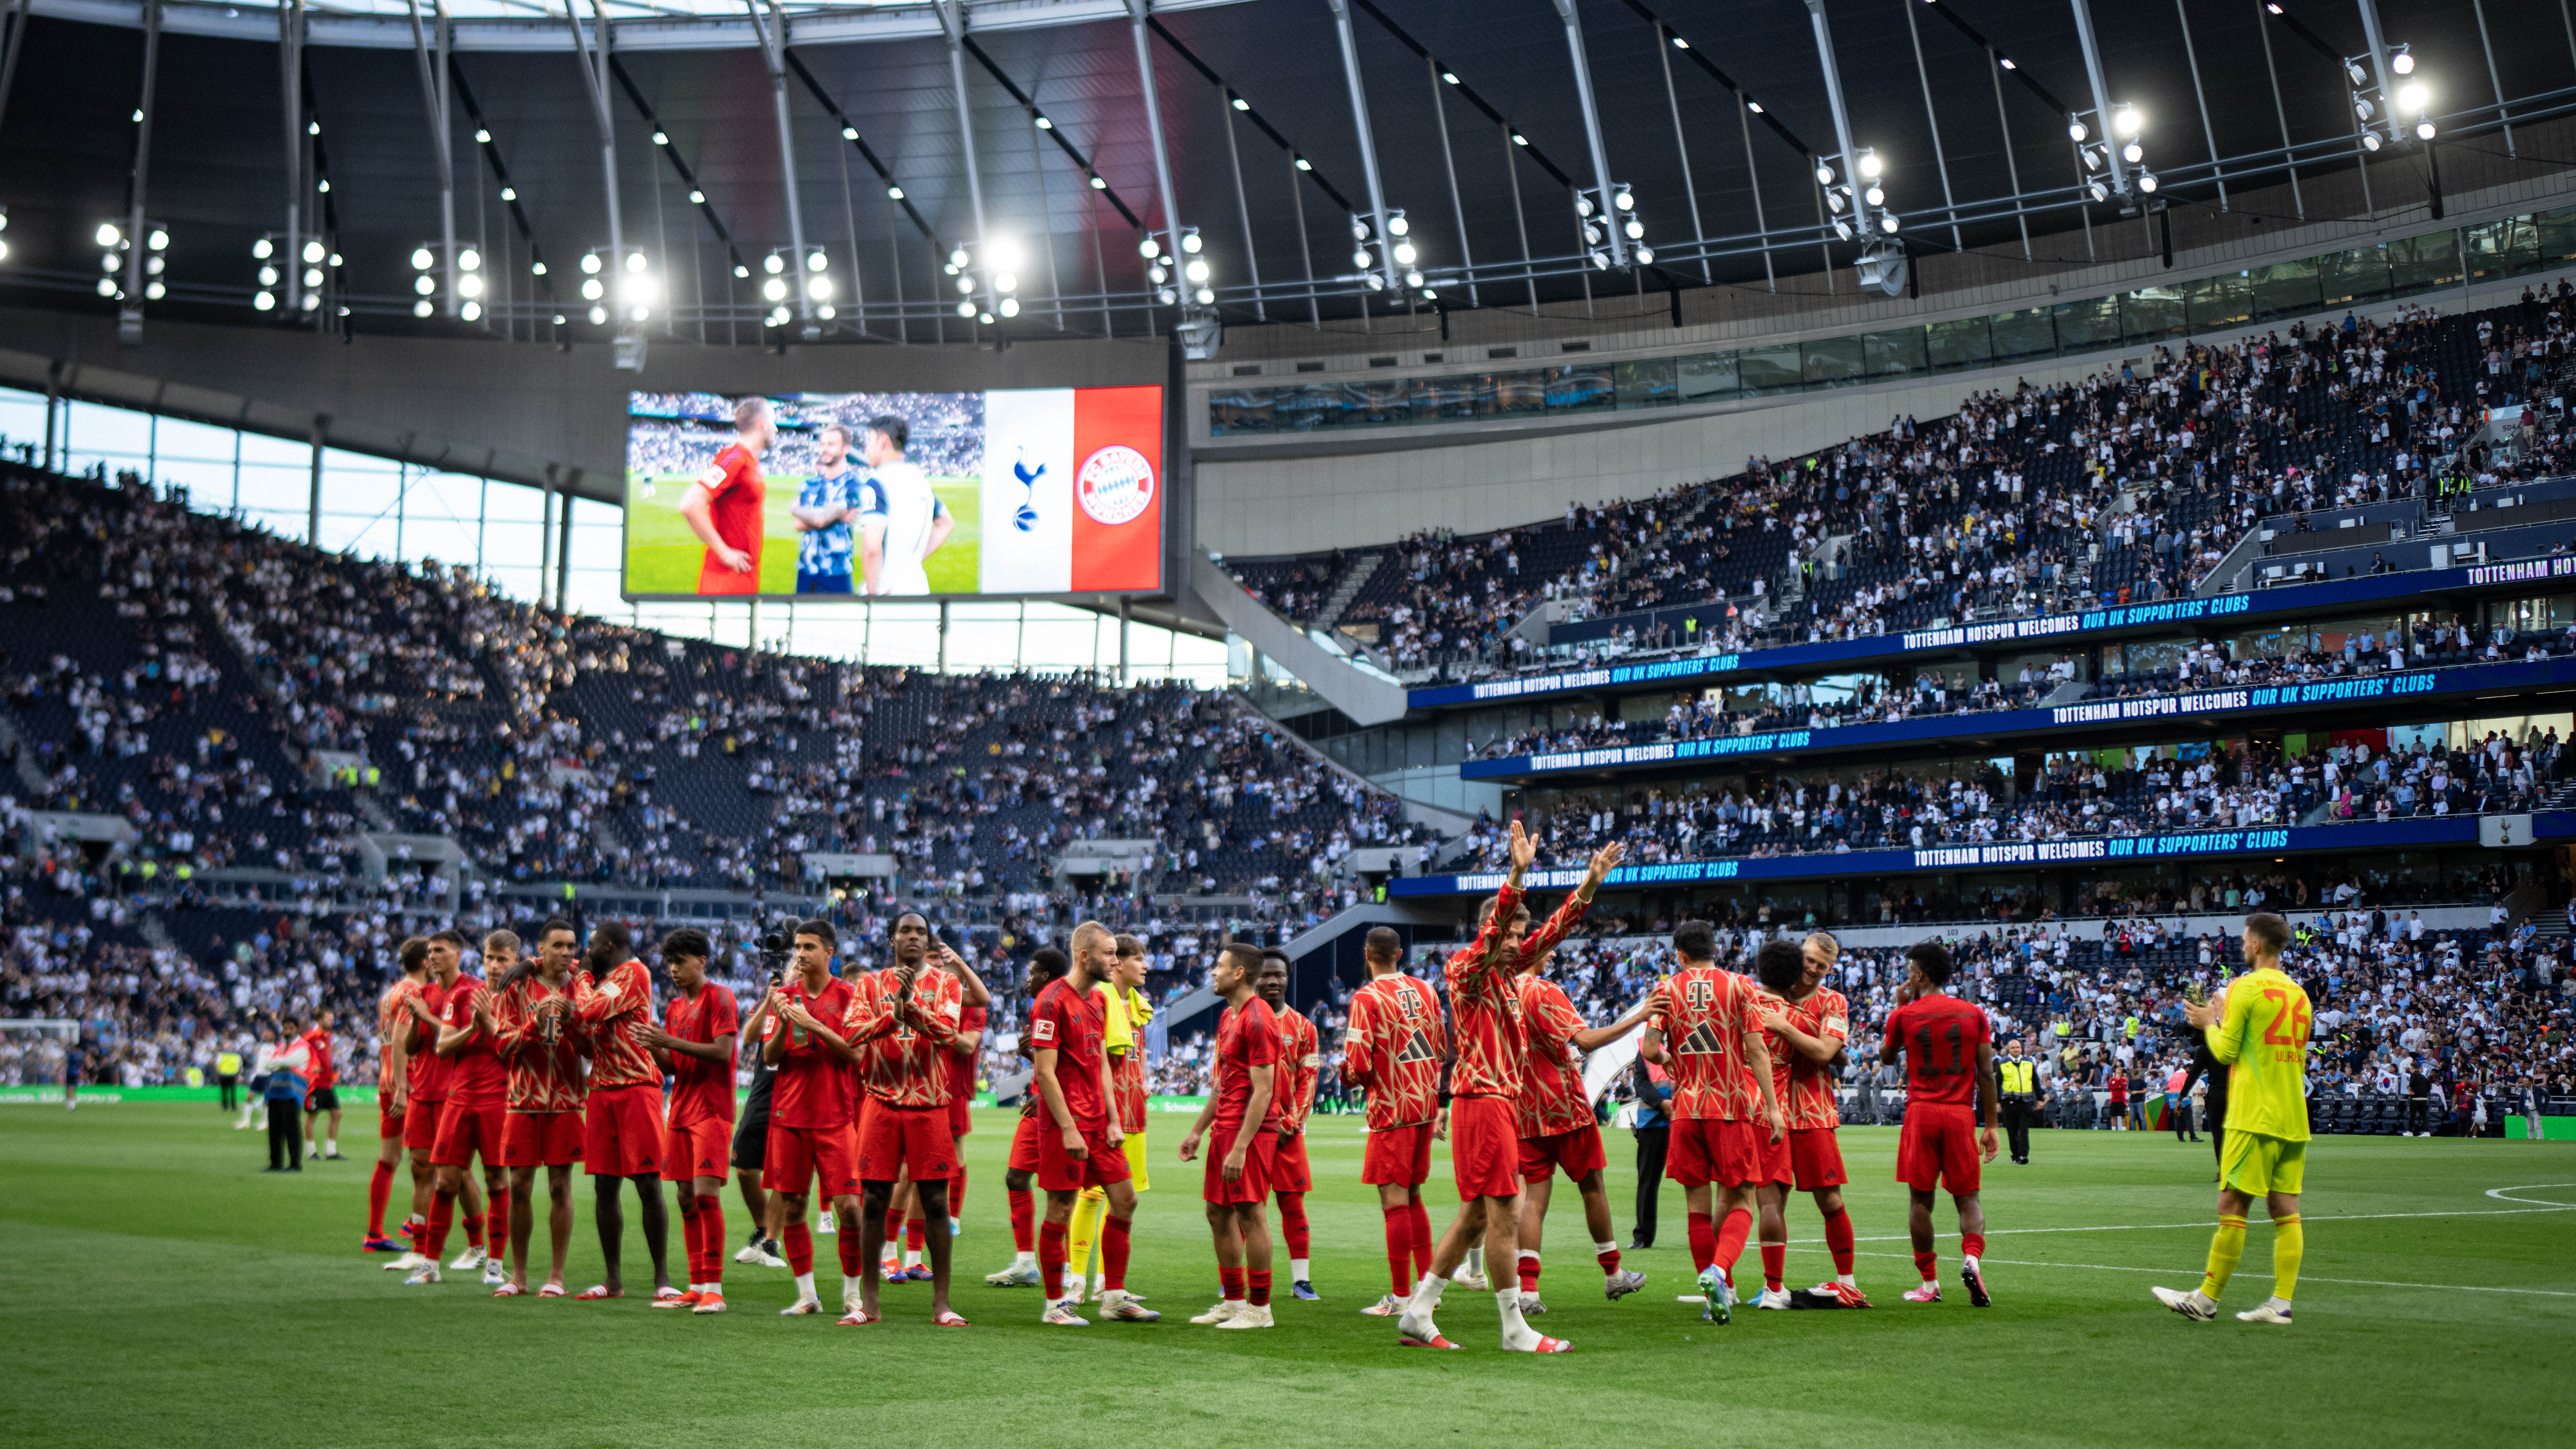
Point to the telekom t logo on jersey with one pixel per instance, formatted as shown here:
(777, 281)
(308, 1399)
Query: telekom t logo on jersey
(1115, 485)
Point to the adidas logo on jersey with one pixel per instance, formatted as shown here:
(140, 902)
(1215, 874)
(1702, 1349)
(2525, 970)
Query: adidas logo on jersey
(1702, 1041)
(1416, 1049)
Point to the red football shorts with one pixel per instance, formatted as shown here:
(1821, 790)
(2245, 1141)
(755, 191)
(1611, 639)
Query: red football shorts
(961, 1114)
(1938, 1146)
(389, 1125)
(1578, 1152)
(622, 1136)
(1484, 1147)
(1061, 1171)
(540, 1139)
(1399, 1155)
(1816, 1154)
(1772, 1161)
(1288, 1170)
(1254, 1183)
(894, 1139)
(466, 1132)
(1713, 1149)
(696, 1150)
(797, 1155)
(420, 1123)
(1024, 1143)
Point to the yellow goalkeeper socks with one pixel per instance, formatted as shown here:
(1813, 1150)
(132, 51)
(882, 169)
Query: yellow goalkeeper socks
(2225, 1247)
(2289, 1245)
(1084, 1229)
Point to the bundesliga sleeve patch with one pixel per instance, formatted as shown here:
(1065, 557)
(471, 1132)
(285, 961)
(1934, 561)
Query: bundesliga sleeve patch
(1042, 1030)
(710, 478)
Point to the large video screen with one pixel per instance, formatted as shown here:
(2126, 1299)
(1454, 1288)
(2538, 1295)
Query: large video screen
(861, 495)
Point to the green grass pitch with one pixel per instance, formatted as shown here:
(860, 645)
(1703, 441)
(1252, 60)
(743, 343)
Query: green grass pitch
(662, 555)
(167, 1293)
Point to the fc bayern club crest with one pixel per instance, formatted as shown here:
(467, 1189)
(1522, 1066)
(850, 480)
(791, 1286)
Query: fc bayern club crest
(1116, 485)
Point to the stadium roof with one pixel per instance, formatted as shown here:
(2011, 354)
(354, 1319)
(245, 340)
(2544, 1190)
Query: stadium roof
(1247, 90)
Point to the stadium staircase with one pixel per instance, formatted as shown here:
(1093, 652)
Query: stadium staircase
(1355, 577)
(1359, 693)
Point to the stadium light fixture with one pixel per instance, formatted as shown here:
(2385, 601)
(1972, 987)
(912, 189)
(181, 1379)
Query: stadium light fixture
(2403, 62)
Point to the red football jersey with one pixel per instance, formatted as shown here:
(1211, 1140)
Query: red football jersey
(475, 1077)
(813, 1088)
(544, 1076)
(1552, 1099)
(393, 1014)
(1485, 998)
(1070, 1023)
(430, 1071)
(611, 1011)
(1810, 1101)
(902, 1048)
(1247, 1036)
(1392, 1049)
(701, 1091)
(738, 497)
(1941, 1035)
(325, 1071)
(1711, 1017)
(971, 1022)
(1293, 1086)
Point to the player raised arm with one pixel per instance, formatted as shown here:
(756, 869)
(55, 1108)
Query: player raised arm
(971, 990)
(1572, 909)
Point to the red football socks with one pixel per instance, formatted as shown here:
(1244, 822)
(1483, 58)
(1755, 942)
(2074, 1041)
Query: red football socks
(799, 1242)
(957, 1192)
(1024, 1217)
(1421, 1237)
(1113, 1254)
(1230, 1284)
(1730, 1239)
(1292, 1222)
(1972, 1245)
(854, 1258)
(1775, 1262)
(1703, 1241)
(711, 1236)
(1051, 1258)
(442, 1216)
(473, 1229)
(496, 1225)
(1838, 1241)
(1529, 1271)
(894, 1228)
(1260, 1287)
(1399, 1250)
(379, 1191)
(689, 1235)
(912, 1231)
(1928, 1264)
(1609, 1262)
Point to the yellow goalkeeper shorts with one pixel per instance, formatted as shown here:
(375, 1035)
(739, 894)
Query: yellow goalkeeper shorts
(2257, 1165)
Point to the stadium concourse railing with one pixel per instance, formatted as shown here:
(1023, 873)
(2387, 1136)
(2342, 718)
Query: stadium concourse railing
(2548, 827)
(2080, 627)
(2228, 705)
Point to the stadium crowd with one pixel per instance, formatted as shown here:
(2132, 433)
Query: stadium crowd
(2126, 485)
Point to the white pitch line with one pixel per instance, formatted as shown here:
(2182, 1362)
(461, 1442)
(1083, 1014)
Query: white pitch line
(2211, 1222)
(2303, 1277)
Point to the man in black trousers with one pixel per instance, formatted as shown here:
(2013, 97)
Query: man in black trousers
(1654, 1132)
(2018, 1076)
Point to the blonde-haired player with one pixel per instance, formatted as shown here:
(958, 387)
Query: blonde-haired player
(1807, 1025)
(1126, 1010)
(2259, 1027)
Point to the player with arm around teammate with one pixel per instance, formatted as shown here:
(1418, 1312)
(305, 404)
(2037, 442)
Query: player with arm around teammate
(1808, 1024)
(1558, 1130)
(1706, 1032)
(1949, 1053)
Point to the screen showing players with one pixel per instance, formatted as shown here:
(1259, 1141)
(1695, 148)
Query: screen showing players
(894, 494)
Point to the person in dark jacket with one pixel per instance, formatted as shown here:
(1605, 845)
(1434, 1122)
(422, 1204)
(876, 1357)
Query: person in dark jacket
(1654, 1131)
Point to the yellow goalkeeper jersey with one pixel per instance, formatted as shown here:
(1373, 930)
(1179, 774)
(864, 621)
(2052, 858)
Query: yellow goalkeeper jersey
(2263, 1037)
